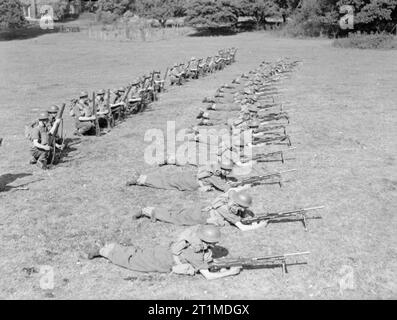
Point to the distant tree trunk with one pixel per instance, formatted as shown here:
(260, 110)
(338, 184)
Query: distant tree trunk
(162, 22)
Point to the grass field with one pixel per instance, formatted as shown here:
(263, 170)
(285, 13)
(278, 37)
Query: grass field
(343, 112)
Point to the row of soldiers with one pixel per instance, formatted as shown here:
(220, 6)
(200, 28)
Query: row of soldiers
(105, 108)
(252, 97)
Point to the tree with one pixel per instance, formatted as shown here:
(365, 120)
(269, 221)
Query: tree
(11, 14)
(371, 15)
(212, 14)
(161, 10)
(259, 9)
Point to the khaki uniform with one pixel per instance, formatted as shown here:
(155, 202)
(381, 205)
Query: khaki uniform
(207, 178)
(82, 109)
(186, 255)
(42, 135)
(217, 213)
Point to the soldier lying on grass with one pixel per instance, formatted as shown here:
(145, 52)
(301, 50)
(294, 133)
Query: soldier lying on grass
(189, 254)
(227, 209)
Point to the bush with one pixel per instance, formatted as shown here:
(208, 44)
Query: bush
(367, 41)
(207, 14)
(312, 19)
(11, 14)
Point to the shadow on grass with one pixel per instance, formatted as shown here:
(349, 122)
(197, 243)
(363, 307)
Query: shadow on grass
(8, 178)
(213, 32)
(34, 31)
(65, 154)
(25, 33)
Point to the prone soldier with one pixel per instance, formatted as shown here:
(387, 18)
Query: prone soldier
(189, 254)
(227, 209)
(206, 179)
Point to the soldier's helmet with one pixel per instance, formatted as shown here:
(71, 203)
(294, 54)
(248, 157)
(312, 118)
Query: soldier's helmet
(121, 89)
(83, 94)
(226, 164)
(205, 115)
(53, 109)
(254, 124)
(101, 92)
(193, 58)
(252, 109)
(230, 123)
(241, 198)
(208, 233)
(43, 116)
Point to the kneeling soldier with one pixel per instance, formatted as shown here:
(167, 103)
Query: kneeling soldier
(83, 114)
(41, 141)
(189, 254)
(228, 209)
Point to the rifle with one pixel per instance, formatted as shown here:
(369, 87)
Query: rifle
(125, 97)
(97, 129)
(53, 136)
(258, 179)
(274, 116)
(269, 140)
(263, 129)
(255, 262)
(284, 216)
(261, 157)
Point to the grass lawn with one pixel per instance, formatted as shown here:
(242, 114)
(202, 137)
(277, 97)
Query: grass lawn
(343, 123)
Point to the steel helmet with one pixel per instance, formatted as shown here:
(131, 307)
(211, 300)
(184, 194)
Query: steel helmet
(254, 124)
(121, 89)
(101, 92)
(226, 164)
(208, 233)
(43, 116)
(241, 198)
(83, 94)
(53, 109)
(230, 122)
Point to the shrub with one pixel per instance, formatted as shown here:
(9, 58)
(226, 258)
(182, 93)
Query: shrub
(11, 14)
(209, 14)
(367, 41)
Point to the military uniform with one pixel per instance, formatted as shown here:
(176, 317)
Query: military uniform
(41, 134)
(218, 213)
(82, 108)
(187, 255)
(207, 178)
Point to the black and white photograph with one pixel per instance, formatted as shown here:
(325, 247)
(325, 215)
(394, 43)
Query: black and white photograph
(204, 150)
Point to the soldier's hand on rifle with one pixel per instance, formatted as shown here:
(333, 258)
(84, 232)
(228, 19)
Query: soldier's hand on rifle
(60, 146)
(47, 148)
(233, 270)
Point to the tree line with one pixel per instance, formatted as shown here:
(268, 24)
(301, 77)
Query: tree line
(302, 17)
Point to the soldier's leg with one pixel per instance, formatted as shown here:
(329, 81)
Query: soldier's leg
(184, 181)
(84, 127)
(117, 254)
(188, 216)
(40, 155)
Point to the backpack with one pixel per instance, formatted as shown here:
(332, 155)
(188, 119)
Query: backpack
(29, 128)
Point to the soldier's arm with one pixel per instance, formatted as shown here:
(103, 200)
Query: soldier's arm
(219, 184)
(40, 146)
(36, 143)
(252, 226)
(220, 274)
(54, 126)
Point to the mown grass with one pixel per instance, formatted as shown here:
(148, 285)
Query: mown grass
(343, 125)
(367, 41)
